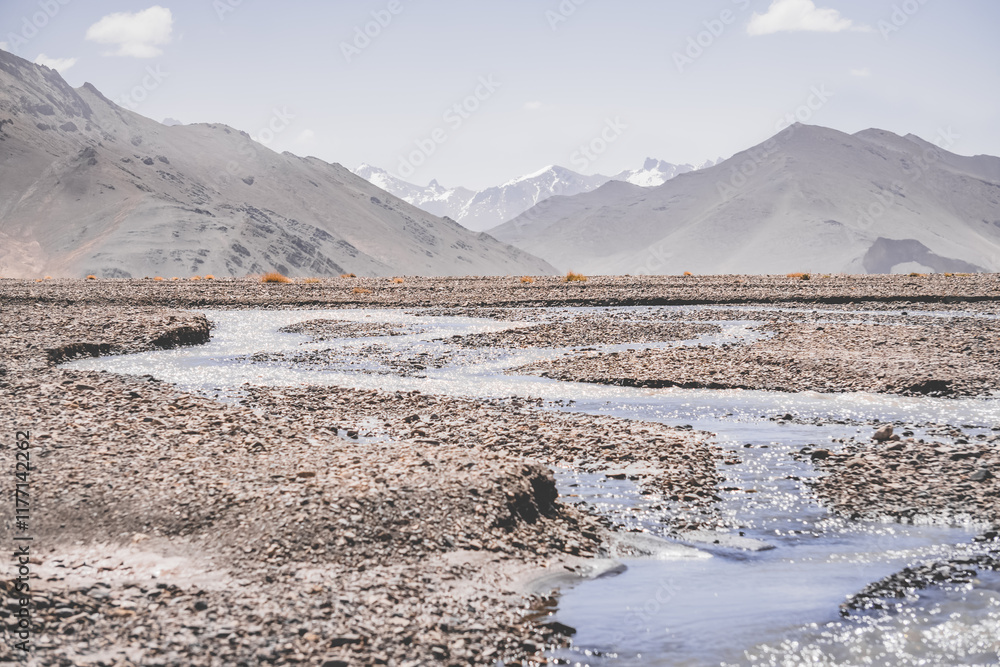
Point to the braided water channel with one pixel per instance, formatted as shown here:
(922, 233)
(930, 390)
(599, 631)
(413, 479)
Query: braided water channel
(775, 603)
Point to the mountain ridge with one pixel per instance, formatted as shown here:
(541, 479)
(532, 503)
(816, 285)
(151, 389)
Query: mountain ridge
(89, 187)
(808, 199)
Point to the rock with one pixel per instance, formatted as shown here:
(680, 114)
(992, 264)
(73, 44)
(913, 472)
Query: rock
(560, 628)
(883, 434)
(932, 388)
(981, 475)
(345, 640)
(820, 454)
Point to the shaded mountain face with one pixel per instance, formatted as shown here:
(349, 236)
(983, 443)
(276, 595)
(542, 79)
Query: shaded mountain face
(89, 187)
(810, 199)
(493, 206)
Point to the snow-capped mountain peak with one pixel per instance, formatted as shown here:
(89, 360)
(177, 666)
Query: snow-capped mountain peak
(493, 206)
(653, 173)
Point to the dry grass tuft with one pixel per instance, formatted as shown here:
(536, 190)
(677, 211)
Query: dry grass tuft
(312, 281)
(158, 279)
(174, 279)
(275, 277)
(195, 278)
(572, 277)
(398, 281)
(47, 278)
(800, 276)
(210, 277)
(361, 290)
(347, 275)
(91, 277)
(688, 273)
(527, 280)
(918, 275)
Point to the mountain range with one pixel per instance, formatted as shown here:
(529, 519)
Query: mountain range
(87, 187)
(484, 209)
(810, 199)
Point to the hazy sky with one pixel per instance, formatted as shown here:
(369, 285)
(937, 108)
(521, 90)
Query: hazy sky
(534, 80)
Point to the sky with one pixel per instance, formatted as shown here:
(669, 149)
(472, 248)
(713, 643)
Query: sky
(476, 93)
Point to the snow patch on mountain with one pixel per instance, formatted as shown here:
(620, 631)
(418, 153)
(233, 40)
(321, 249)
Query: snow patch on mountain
(488, 208)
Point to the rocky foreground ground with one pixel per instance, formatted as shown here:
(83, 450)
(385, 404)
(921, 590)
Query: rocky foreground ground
(326, 526)
(172, 529)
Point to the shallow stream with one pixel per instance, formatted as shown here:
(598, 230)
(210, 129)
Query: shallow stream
(775, 606)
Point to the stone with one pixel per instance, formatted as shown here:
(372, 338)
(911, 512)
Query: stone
(883, 434)
(981, 475)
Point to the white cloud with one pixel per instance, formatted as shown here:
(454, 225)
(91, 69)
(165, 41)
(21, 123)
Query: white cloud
(532, 106)
(861, 71)
(305, 136)
(138, 34)
(799, 15)
(58, 64)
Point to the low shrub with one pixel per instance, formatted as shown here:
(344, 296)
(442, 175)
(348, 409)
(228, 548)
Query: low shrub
(158, 279)
(572, 277)
(312, 281)
(688, 273)
(799, 276)
(398, 281)
(361, 290)
(274, 277)
(347, 275)
(195, 278)
(91, 277)
(527, 280)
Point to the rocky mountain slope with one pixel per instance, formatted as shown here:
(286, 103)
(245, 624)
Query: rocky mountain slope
(89, 187)
(810, 199)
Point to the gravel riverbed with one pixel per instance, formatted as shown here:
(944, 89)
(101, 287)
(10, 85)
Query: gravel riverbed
(332, 526)
(811, 351)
